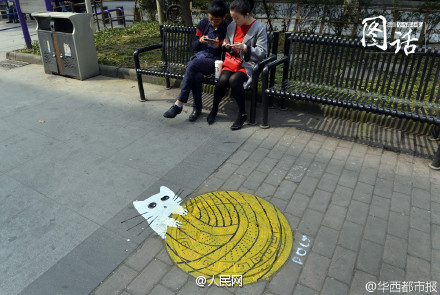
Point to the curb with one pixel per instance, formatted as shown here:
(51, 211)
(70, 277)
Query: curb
(105, 70)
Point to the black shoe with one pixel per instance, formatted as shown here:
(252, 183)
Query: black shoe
(16, 21)
(211, 116)
(9, 22)
(195, 114)
(173, 111)
(239, 122)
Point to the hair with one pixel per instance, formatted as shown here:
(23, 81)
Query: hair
(218, 8)
(242, 6)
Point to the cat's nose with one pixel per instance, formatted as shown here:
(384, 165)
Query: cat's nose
(164, 206)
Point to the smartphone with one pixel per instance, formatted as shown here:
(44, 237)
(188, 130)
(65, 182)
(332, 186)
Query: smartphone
(209, 39)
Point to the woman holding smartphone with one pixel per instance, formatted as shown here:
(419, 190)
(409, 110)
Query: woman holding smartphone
(246, 45)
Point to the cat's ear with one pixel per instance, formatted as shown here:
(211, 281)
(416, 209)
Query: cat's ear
(166, 191)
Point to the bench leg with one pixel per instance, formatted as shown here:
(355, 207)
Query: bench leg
(253, 112)
(141, 87)
(435, 164)
(264, 123)
(168, 83)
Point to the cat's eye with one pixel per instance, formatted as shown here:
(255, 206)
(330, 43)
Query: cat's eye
(164, 198)
(151, 205)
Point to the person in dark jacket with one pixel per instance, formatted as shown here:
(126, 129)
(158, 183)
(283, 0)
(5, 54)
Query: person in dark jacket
(202, 63)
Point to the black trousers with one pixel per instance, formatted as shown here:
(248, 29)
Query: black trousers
(235, 80)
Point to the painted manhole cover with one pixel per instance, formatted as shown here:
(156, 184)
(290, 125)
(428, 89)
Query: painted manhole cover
(230, 233)
(11, 64)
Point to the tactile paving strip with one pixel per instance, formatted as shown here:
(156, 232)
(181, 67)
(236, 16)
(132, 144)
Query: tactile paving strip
(230, 233)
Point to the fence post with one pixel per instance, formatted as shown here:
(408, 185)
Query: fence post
(298, 14)
(422, 33)
(321, 27)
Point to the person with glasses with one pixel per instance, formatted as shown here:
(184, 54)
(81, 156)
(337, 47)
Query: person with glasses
(246, 45)
(207, 42)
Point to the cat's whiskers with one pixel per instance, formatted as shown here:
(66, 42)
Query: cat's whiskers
(136, 216)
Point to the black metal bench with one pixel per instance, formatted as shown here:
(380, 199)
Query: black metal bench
(343, 73)
(176, 53)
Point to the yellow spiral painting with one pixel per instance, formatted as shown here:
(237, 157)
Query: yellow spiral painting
(230, 233)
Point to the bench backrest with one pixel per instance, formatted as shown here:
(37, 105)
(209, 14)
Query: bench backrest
(341, 63)
(177, 40)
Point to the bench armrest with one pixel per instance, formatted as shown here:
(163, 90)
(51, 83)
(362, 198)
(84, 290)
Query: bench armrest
(258, 68)
(269, 66)
(141, 50)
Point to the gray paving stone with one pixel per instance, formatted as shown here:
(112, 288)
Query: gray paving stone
(400, 203)
(354, 162)
(247, 167)
(252, 289)
(280, 204)
(325, 241)
(234, 182)
(266, 191)
(435, 213)
(324, 156)
(305, 159)
(349, 178)
(320, 201)
(342, 265)
(370, 257)
(161, 290)
(148, 278)
(297, 173)
(435, 236)
(375, 230)
(335, 166)
(404, 167)
(239, 157)
(341, 154)
(380, 207)
(316, 169)
(284, 280)
(360, 279)
(174, 279)
(420, 219)
(276, 177)
(357, 212)
(210, 185)
(310, 222)
(342, 196)
(384, 187)
(277, 152)
(117, 281)
(421, 199)
(328, 182)
(266, 165)
(403, 185)
(417, 269)
(274, 136)
(307, 186)
(191, 288)
(254, 180)
(226, 170)
(350, 236)
(285, 190)
(330, 143)
(295, 149)
(419, 244)
(435, 267)
(313, 146)
(293, 221)
(286, 162)
(368, 175)
(314, 271)
(300, 289)
(389, 273)
(297, 204)
(335, 216)
(164, 257)
(363, 192)
(145, 253)
(333, 287)
(398, 225)
(251, 145)
(395, 251)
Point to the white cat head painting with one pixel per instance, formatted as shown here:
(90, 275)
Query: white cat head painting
(157, 209)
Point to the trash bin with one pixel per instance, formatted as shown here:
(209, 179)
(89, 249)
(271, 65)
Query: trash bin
(66, 43)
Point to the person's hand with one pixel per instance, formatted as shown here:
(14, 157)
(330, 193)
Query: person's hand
(226, 44)
(202, 40)
(216, 43)
(239, 47)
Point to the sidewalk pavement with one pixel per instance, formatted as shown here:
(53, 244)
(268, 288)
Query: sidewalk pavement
(75, 154)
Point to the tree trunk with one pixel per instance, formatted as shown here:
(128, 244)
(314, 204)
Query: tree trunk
(186, 12)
